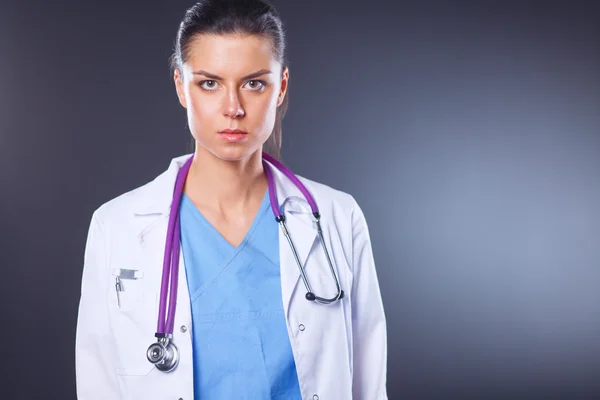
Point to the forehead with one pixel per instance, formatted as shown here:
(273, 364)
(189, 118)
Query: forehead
(230, 55)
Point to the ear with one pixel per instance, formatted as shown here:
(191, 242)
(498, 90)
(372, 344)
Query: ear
(178, 79)
(284, 85)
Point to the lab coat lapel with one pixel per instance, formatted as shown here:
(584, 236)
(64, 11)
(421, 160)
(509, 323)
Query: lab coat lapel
(153, 236)
(299, 222)
(152, 243)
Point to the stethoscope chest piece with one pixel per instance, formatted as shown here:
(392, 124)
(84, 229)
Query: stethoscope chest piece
(163, 354)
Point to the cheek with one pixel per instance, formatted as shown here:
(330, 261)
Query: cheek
(265, 113)
(201, 109)
(267, 121)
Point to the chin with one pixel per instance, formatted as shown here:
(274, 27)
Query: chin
(234, 152)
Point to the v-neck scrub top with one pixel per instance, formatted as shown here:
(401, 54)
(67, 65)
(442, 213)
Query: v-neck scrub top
(241, 347)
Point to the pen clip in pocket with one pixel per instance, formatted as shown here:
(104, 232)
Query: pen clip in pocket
(128, 292)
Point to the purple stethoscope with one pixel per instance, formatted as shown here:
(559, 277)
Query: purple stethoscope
(164, 354)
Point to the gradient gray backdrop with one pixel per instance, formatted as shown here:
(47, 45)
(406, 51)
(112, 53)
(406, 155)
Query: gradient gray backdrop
(468, 132)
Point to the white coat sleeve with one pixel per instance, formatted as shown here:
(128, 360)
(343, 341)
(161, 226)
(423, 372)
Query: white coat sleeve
(369, 333)
(94, 347)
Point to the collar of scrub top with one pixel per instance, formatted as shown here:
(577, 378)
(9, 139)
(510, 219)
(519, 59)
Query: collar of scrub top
(170, 274)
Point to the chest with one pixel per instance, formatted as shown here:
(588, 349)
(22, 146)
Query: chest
(319, 335)
(232, 226)
(232, 230)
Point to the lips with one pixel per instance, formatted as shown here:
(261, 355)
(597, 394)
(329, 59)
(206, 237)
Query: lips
(233, 135)
(234, 132)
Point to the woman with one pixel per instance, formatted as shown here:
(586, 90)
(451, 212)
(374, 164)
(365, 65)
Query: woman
(257, 316)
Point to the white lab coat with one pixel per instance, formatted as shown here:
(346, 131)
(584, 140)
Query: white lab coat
(340, 350)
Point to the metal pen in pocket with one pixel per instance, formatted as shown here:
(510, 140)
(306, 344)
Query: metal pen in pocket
(118, 288)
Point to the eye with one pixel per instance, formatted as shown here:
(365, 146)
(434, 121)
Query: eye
(256, 85)
(208, 85)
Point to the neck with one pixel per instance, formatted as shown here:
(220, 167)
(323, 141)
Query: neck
(225, 186)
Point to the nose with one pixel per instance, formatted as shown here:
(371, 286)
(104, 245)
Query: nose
(233, 107)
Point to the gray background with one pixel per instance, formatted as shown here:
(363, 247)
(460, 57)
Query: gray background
(468, 132)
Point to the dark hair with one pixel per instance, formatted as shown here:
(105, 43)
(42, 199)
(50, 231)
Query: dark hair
(222, 17)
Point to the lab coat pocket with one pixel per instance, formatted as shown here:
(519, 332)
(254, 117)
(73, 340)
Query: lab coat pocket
(132, 314)
(127, 290)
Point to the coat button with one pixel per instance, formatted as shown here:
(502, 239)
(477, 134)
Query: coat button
(183, 329)
(315, 397)
(301, 327)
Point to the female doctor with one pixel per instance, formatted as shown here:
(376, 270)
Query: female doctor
(227, 277)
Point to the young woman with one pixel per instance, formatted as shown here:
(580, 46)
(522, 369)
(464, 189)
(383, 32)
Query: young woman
(278, 296)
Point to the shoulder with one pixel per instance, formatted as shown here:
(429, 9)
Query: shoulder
(146, 199)
(150, 198)
(121, 206)
(330, 199)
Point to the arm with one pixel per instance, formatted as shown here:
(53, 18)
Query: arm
(94, 345)
(368, 319)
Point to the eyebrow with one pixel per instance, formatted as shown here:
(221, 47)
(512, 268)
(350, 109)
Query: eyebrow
(217, 77)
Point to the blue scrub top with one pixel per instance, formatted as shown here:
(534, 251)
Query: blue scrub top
(240, 341)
